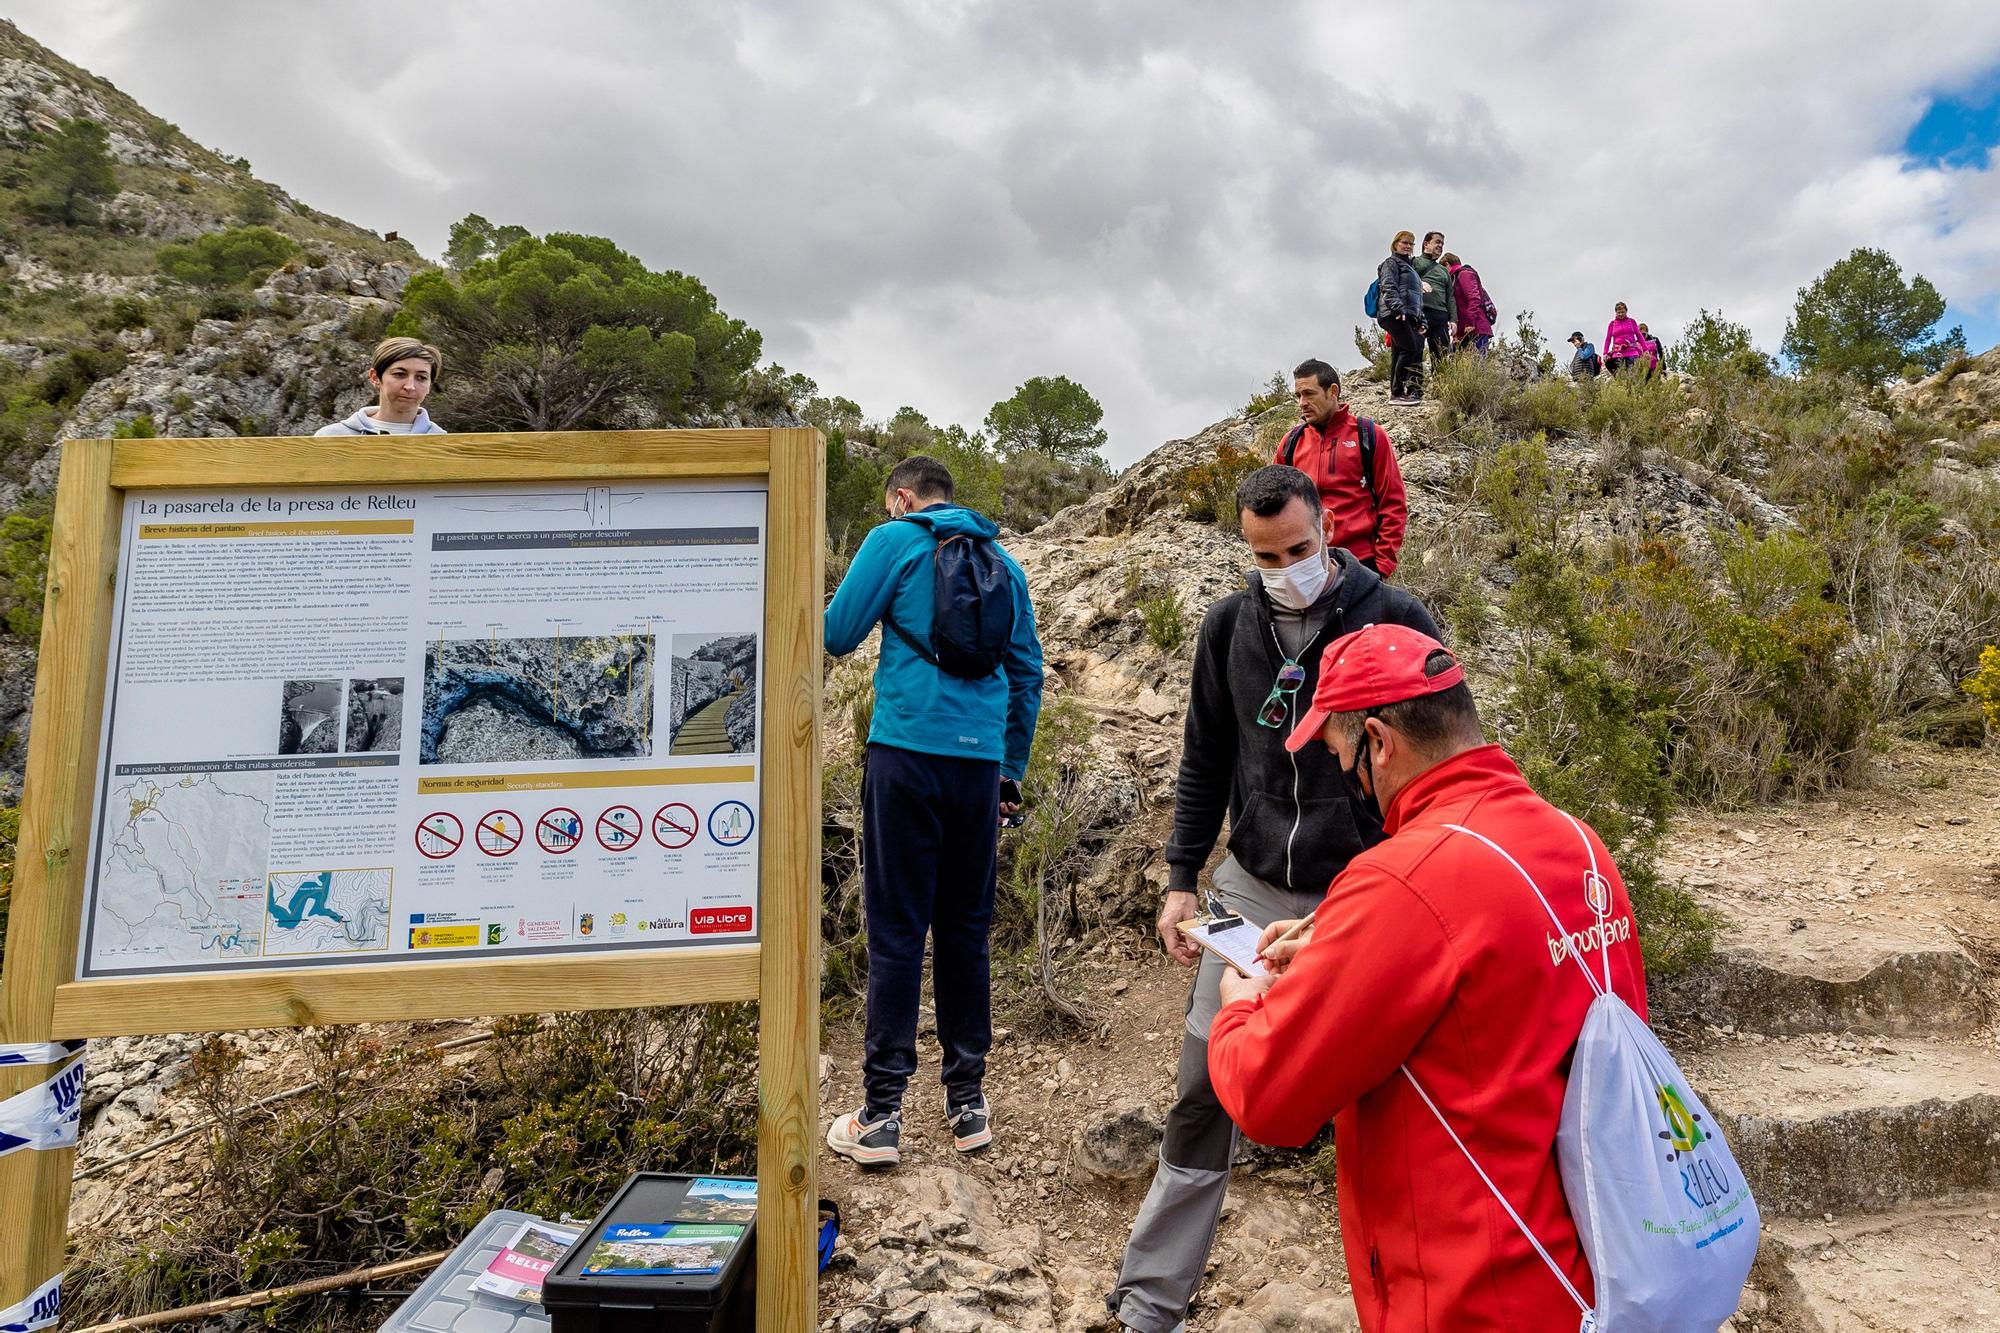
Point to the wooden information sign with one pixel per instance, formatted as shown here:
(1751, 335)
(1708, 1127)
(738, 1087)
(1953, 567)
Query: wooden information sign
(371, 729)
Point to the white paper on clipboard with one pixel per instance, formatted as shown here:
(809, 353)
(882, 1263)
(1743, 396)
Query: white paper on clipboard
(1236, 945)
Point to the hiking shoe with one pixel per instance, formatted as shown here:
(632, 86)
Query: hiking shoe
(874, 1144)
(971, 1125)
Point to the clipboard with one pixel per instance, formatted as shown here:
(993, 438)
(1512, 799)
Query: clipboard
(1232, 939)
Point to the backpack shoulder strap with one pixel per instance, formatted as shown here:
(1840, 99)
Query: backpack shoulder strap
(1290, 448)
(889, 621)
(1365, 428)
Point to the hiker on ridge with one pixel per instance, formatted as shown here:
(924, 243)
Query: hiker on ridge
(1291, 830)
(1399, 309)
(1655, 353)
(946, 753)
(1586, 363)
(1474, 306)
(402, 371)
(1432, 964)
(1440, 301)
(1353, 464)
(1623, 346)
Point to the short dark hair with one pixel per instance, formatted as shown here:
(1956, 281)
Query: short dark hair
(1431, 722)
(926, 477)
(1576, 337)
(1268, 490)
(1328, 377)
(1430, 236)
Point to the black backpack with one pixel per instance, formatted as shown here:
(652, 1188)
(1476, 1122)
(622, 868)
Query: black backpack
(1364, 427)
(974, 619)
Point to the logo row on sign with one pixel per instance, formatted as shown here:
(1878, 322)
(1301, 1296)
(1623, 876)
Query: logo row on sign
(619, 828)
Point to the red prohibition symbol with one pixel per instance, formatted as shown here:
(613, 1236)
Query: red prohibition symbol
(618, 828)
(439, 835)
(675, 825)
(559, 830)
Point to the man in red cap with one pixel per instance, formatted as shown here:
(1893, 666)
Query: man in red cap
(1430, 1008)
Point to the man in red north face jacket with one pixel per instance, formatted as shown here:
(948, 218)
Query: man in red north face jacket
(1365, 497)
(1430, 962)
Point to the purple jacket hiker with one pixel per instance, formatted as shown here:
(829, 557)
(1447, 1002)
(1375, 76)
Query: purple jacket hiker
(1473, 303)
(1622, 340)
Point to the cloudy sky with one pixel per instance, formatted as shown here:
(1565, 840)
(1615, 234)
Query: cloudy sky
(928, 201)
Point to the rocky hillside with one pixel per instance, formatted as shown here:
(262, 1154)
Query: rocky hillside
(94, 339)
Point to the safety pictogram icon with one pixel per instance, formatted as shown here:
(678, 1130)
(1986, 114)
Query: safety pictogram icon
(498, 832)
(439, 835)
(731, 823)
(675, 825)
(618, 828)
(559, 830)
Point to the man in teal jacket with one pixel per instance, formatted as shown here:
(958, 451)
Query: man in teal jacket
(945, 761)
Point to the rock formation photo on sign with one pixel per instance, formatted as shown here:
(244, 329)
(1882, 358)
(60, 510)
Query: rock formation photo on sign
(500, 701)
(374, 715)
(309, 722)
(713, 705)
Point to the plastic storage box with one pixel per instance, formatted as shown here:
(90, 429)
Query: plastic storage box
(721, 1301)
(446, 1303)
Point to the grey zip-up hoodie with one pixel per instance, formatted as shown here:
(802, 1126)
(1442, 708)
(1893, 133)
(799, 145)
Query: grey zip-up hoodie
(1290, 821)
(363, 423)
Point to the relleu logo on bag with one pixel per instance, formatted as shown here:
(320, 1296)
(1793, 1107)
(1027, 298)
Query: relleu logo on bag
(1683, 1128)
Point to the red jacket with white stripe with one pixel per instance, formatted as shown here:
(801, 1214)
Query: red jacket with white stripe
(1368, 525)
(1431, 951)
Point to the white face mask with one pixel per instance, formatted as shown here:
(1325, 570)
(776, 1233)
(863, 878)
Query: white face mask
(1296, 587)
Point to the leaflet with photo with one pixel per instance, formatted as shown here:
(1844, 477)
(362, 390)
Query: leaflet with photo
(662, 1249)
(712, 1199)
(516, 1273)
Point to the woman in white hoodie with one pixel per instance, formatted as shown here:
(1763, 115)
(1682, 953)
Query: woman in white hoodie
(402, 371)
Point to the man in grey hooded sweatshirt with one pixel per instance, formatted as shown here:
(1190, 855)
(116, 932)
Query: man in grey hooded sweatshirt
(1292, 828)
(402, 372)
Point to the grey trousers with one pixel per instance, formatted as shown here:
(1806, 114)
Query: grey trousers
(1175, 1228)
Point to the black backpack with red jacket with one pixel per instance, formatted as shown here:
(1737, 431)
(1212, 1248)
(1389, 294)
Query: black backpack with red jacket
(1364, 427)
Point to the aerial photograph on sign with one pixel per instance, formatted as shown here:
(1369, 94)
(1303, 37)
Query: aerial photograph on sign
(506, 700)
(712, 707)
(309, 721)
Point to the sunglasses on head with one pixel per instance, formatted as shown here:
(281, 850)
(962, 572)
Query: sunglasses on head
(1276, 709)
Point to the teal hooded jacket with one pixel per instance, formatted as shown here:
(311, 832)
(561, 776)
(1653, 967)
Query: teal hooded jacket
(918, 706)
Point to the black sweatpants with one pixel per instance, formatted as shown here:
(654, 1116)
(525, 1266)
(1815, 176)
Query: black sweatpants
(1406, 357)
(1437, 335)
(929, 842)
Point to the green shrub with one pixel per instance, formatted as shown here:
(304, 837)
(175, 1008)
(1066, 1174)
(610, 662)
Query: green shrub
(138, 428)
(1551, 406)
(1277, 393)
(1634, 408)
(1526, 492)
(1468, 386)
(24, 569)
(1368, 342)
(1164, 615)
(238, 257)
(1208, 490)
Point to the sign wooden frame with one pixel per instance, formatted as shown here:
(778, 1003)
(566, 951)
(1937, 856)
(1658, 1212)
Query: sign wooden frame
(41, 1000)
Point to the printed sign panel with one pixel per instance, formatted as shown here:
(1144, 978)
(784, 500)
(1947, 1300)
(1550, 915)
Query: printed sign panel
(356, 726)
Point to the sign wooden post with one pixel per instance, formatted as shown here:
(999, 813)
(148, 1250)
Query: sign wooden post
(49, 992)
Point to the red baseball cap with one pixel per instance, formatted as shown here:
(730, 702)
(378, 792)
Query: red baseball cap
(1373, 666)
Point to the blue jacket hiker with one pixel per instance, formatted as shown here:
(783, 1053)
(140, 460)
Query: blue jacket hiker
(946, 754)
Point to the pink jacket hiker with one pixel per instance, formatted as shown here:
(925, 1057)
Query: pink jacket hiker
(1621, 339)
(1473, 321)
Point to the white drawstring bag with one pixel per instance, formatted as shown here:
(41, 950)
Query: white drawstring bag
(1665, 1217)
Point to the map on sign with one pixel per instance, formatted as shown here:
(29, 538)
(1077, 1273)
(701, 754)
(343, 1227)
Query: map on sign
(166, 895)
(327, 911)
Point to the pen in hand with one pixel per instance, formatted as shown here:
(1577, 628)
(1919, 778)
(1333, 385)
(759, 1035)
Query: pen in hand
(1288, 933)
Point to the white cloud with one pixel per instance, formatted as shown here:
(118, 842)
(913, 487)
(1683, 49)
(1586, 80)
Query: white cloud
(928, 201)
